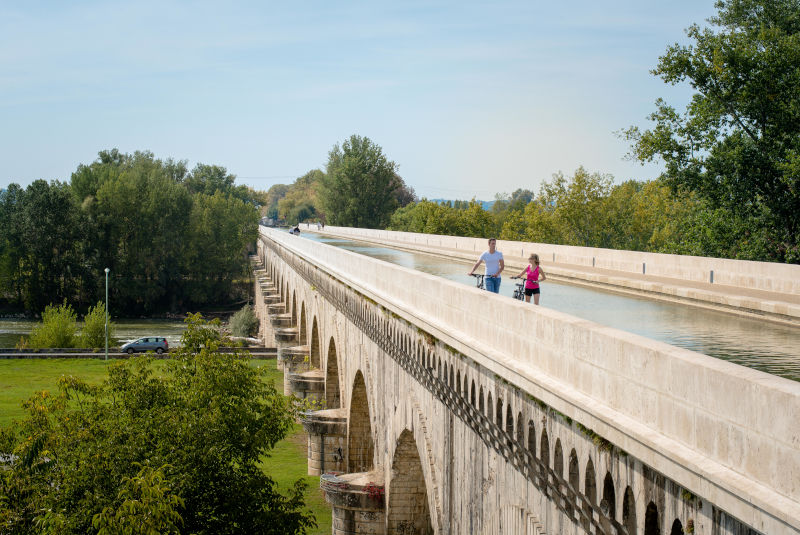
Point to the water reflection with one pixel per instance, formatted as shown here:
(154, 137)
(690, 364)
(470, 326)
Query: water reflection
(764, 346)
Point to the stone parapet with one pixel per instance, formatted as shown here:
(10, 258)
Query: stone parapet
(358, 502)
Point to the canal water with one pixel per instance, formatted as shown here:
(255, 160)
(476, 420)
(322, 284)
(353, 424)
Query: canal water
(765, 346)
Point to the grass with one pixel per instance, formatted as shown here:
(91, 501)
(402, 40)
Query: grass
(21, 378)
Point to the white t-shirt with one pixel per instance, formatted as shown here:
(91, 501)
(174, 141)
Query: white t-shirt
(492, 261)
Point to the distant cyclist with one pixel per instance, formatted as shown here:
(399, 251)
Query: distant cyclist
(532, 276)
(494, 266)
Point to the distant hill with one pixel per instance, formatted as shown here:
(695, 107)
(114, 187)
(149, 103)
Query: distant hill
(486, 205)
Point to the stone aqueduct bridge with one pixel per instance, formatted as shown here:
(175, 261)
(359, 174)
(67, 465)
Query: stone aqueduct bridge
(450, 410)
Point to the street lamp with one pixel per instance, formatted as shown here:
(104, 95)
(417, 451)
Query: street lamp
(107, 270)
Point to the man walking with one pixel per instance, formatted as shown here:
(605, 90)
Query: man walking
(494, 266)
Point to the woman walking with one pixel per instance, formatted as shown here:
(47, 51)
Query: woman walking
(532, 277)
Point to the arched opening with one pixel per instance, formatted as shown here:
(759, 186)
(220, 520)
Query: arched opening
(629, 511)
(558, 459)
(458, 382)
(480, 401)
(590, 491)
(489, 406)
(303, 332)
(472, 394)
(314, 355)
(360, 446)
(544, 449)
(509, 426)
(294, 310)
(651, 523)
(574, 479)
(677, 528)
(408, 510)
(499, 413)
(609, 495)
(332, 397)
(531, 438)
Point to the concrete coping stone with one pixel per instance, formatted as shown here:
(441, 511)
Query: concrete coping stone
(296, 350)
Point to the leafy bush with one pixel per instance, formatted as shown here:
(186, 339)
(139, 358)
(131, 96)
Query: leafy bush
(244, 322)
(57, 329)
(93, 334)
(203, 423)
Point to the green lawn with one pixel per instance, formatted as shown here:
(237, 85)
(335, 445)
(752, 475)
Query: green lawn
(20, 378)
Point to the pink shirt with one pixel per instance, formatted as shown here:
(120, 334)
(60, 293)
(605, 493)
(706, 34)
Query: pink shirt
(531, 277)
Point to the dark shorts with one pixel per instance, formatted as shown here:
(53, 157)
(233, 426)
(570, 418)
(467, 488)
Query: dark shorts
(530, 291)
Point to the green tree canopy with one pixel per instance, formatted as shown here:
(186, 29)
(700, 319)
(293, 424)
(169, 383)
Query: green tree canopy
(360, 188)
(737, 144)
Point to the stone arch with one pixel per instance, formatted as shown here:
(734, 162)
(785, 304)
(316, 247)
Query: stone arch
(544, 450)
(458, 382)
(531, 438)
(294, 309)
(499, 413)
(629, 511)
(314, 353)
(677, 528)
(589, 490)
(332, 396)
(360, 445)
(558, 459)
(609, 495)
(451, 375)
(651, 524)
(573, 478)
(286, 301)
(408, 510)
(480, 400)
(472, 395)
(302, 333)
(489, 405)
(520, 430)
(509, 425)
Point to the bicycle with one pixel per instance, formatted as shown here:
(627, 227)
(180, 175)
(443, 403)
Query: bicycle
(519, 291)
(478, 281)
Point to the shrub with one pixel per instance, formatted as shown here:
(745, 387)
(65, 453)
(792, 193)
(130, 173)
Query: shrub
(57, 329)
(93, 334)
(244, 322)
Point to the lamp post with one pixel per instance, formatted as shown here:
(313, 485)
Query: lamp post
(107, 270)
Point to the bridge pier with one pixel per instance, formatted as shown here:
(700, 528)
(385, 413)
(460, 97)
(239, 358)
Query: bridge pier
(307, 385)
(358, 502)
(294, 360)
(327, 436)
(285, 337)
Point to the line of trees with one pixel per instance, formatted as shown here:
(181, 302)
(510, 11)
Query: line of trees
(173, 239)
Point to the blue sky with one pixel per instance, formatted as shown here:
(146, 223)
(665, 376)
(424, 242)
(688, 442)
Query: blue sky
(469, 98)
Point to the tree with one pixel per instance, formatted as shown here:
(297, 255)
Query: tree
(57, 329)
(737, 144)
(360, 188)
(244, 322)
(202, 423)
(93, 333)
